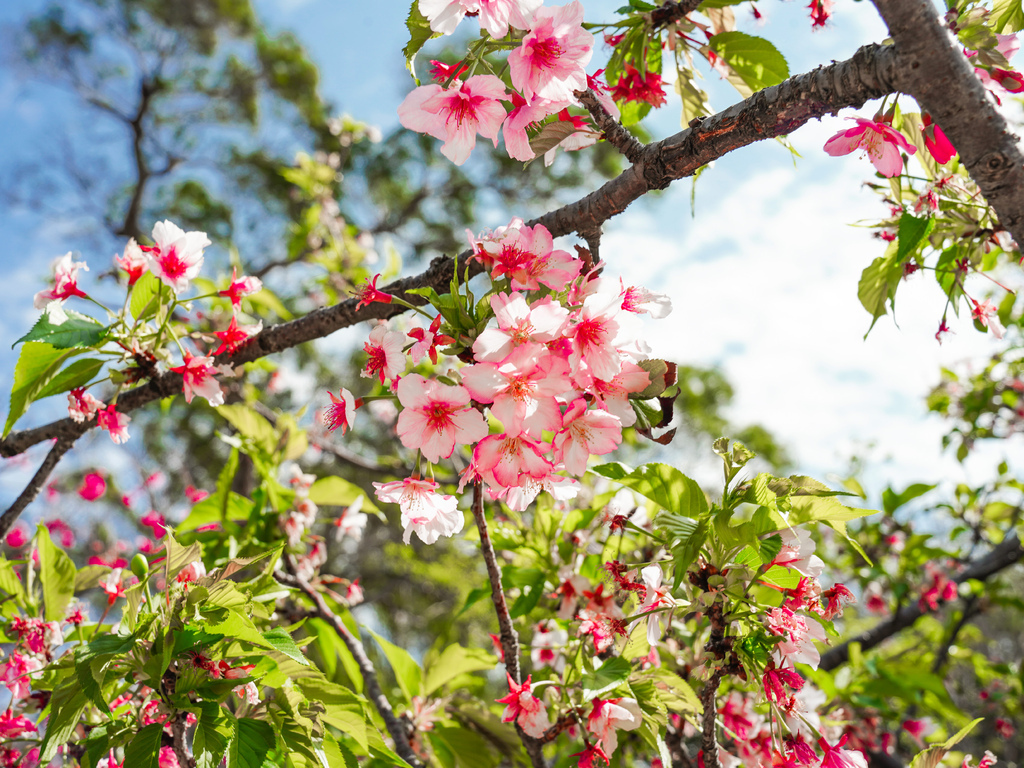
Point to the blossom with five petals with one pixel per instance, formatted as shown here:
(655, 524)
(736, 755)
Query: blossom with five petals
(879, 140)
(65, 282)
(241, 286)
(177, 256)
(198, 379)
(133, 261)
(341, 412)
(436, 417)
(385, 351)
(611, 715)
(114, 422)
(526, 256)
(424, 511)
(529, 712)
(585, 432)
(987, 314)
(518, 323)
(495, 15)
(551, 60)
(235, 335)
(456, 114)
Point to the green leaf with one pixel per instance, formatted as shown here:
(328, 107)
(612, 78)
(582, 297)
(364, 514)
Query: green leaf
(283, 642)
(407, 671)
(77, 331)
(252, 743)
(144, 750)
(145, 296)
(931, 757)
(456, 661)
(758, 63)
(912, 231)
(250, 424)
(342, 708)
(613, 673)
(891, 500)
(178, 556)
(336, 491)
(470, 749)
(66, 707)
(214, 730)
(37, 365)
(878, 283)
(78, 374)
(10, 584)
(665, 485)
(419, 33)
(57, 574)
(695, 99)
(1007, 16)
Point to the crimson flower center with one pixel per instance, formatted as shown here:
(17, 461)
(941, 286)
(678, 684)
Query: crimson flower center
(545, 53)
(173, 265)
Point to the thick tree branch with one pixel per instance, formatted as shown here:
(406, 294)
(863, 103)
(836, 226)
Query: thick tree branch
(62, 446)
(672, 12)
(509, 636)
(935, 72)
(1003, 556)
(615, 133)
(391, 721)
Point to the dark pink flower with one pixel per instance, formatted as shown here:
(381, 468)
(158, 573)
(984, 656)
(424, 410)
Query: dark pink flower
(65, 277)
(879, 140)
(935, 141)
(157, 522)
(341, 412)
(93, 486)
(198, 379)
(633, 86)
(368, 293)
(241, 286)
(529, 712)
(114, 422)
(235, 335)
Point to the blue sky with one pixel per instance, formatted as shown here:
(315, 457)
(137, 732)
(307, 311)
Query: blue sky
(763, 279)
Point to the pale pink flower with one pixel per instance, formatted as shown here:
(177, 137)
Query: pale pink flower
(526, 256)
(569, 592)
(424, 511)
(495, 15)
(352, 522)
(798, 553)
(596, 336)
(521, 496)
(114, 422)
(341, 412)
(585, 432)
(613, 395)
(506, 461)
(65, 277)
(15, 672)
(456, 114)
(655, 597)
(194, 570)
(436, 417)
(133, 261)
(241, 286)
(522, 390)
(529, 712)
(519, 323)
(386, 357)
(611, 715)
(198, 379)
(524, 115)
(551, 61)
(81, 405)
(547, 638)
(879, 140)
(798, 636)
(177, 256)
(987, 314)
(248, 693)
(642, 301)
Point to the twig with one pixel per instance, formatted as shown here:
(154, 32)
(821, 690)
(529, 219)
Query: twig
(615, 133)
(38, 480)
(181, 750)
(676, 749)
(509, 636)
(672, 12)
(391, 721)
(708, 742)
(1003, 556)
(971, 609)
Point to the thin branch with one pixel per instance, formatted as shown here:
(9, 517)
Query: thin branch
(615, 133)
(972, 608)
(1001, 557)
(181, 750)
(391, 721)
(672, 11)
(509, 636)
(36, 484)
(934, 70)
(708, 741)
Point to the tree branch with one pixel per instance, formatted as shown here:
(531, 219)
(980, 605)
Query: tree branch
(708, 741)
(672, 12)
(509, 636)
(38, 480)
(1003, 556)
(181, 750)
(391, 721)
(935, 72)
(615, 133)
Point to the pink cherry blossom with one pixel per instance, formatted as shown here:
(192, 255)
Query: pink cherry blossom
(15, 671)
(738, 716)
(368, 293)
(518, 323)
(241, 286)
(987, 314)
(386, 357)
(133, 261)
(526, 256)
(114, 422)
(547, 637)
(235, 335)
(341, 412)
(495, 15)
(597, 334)
(112, 586)
(522, 389)
(551, 61)
(65, 276)
(655, 597)
(879, 140)
(456, 114)
(424, 511)
(506, 461)
(935, 141)
(93, 486)
(177, 256)
(168, 759)
(521, 496)
(529, 712)
(427, 341)
(798, 636)
(198, 379)
(12, 727)
(17, 538)
(837, 757)
(613, 395)
(249, 693)
(611, 715)
(525, 115)
(81, 405)
(436, 417)
(642, 301)
(156, 521)
(798, 553)
(585, 432)
(777, 680)
(352, 522)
